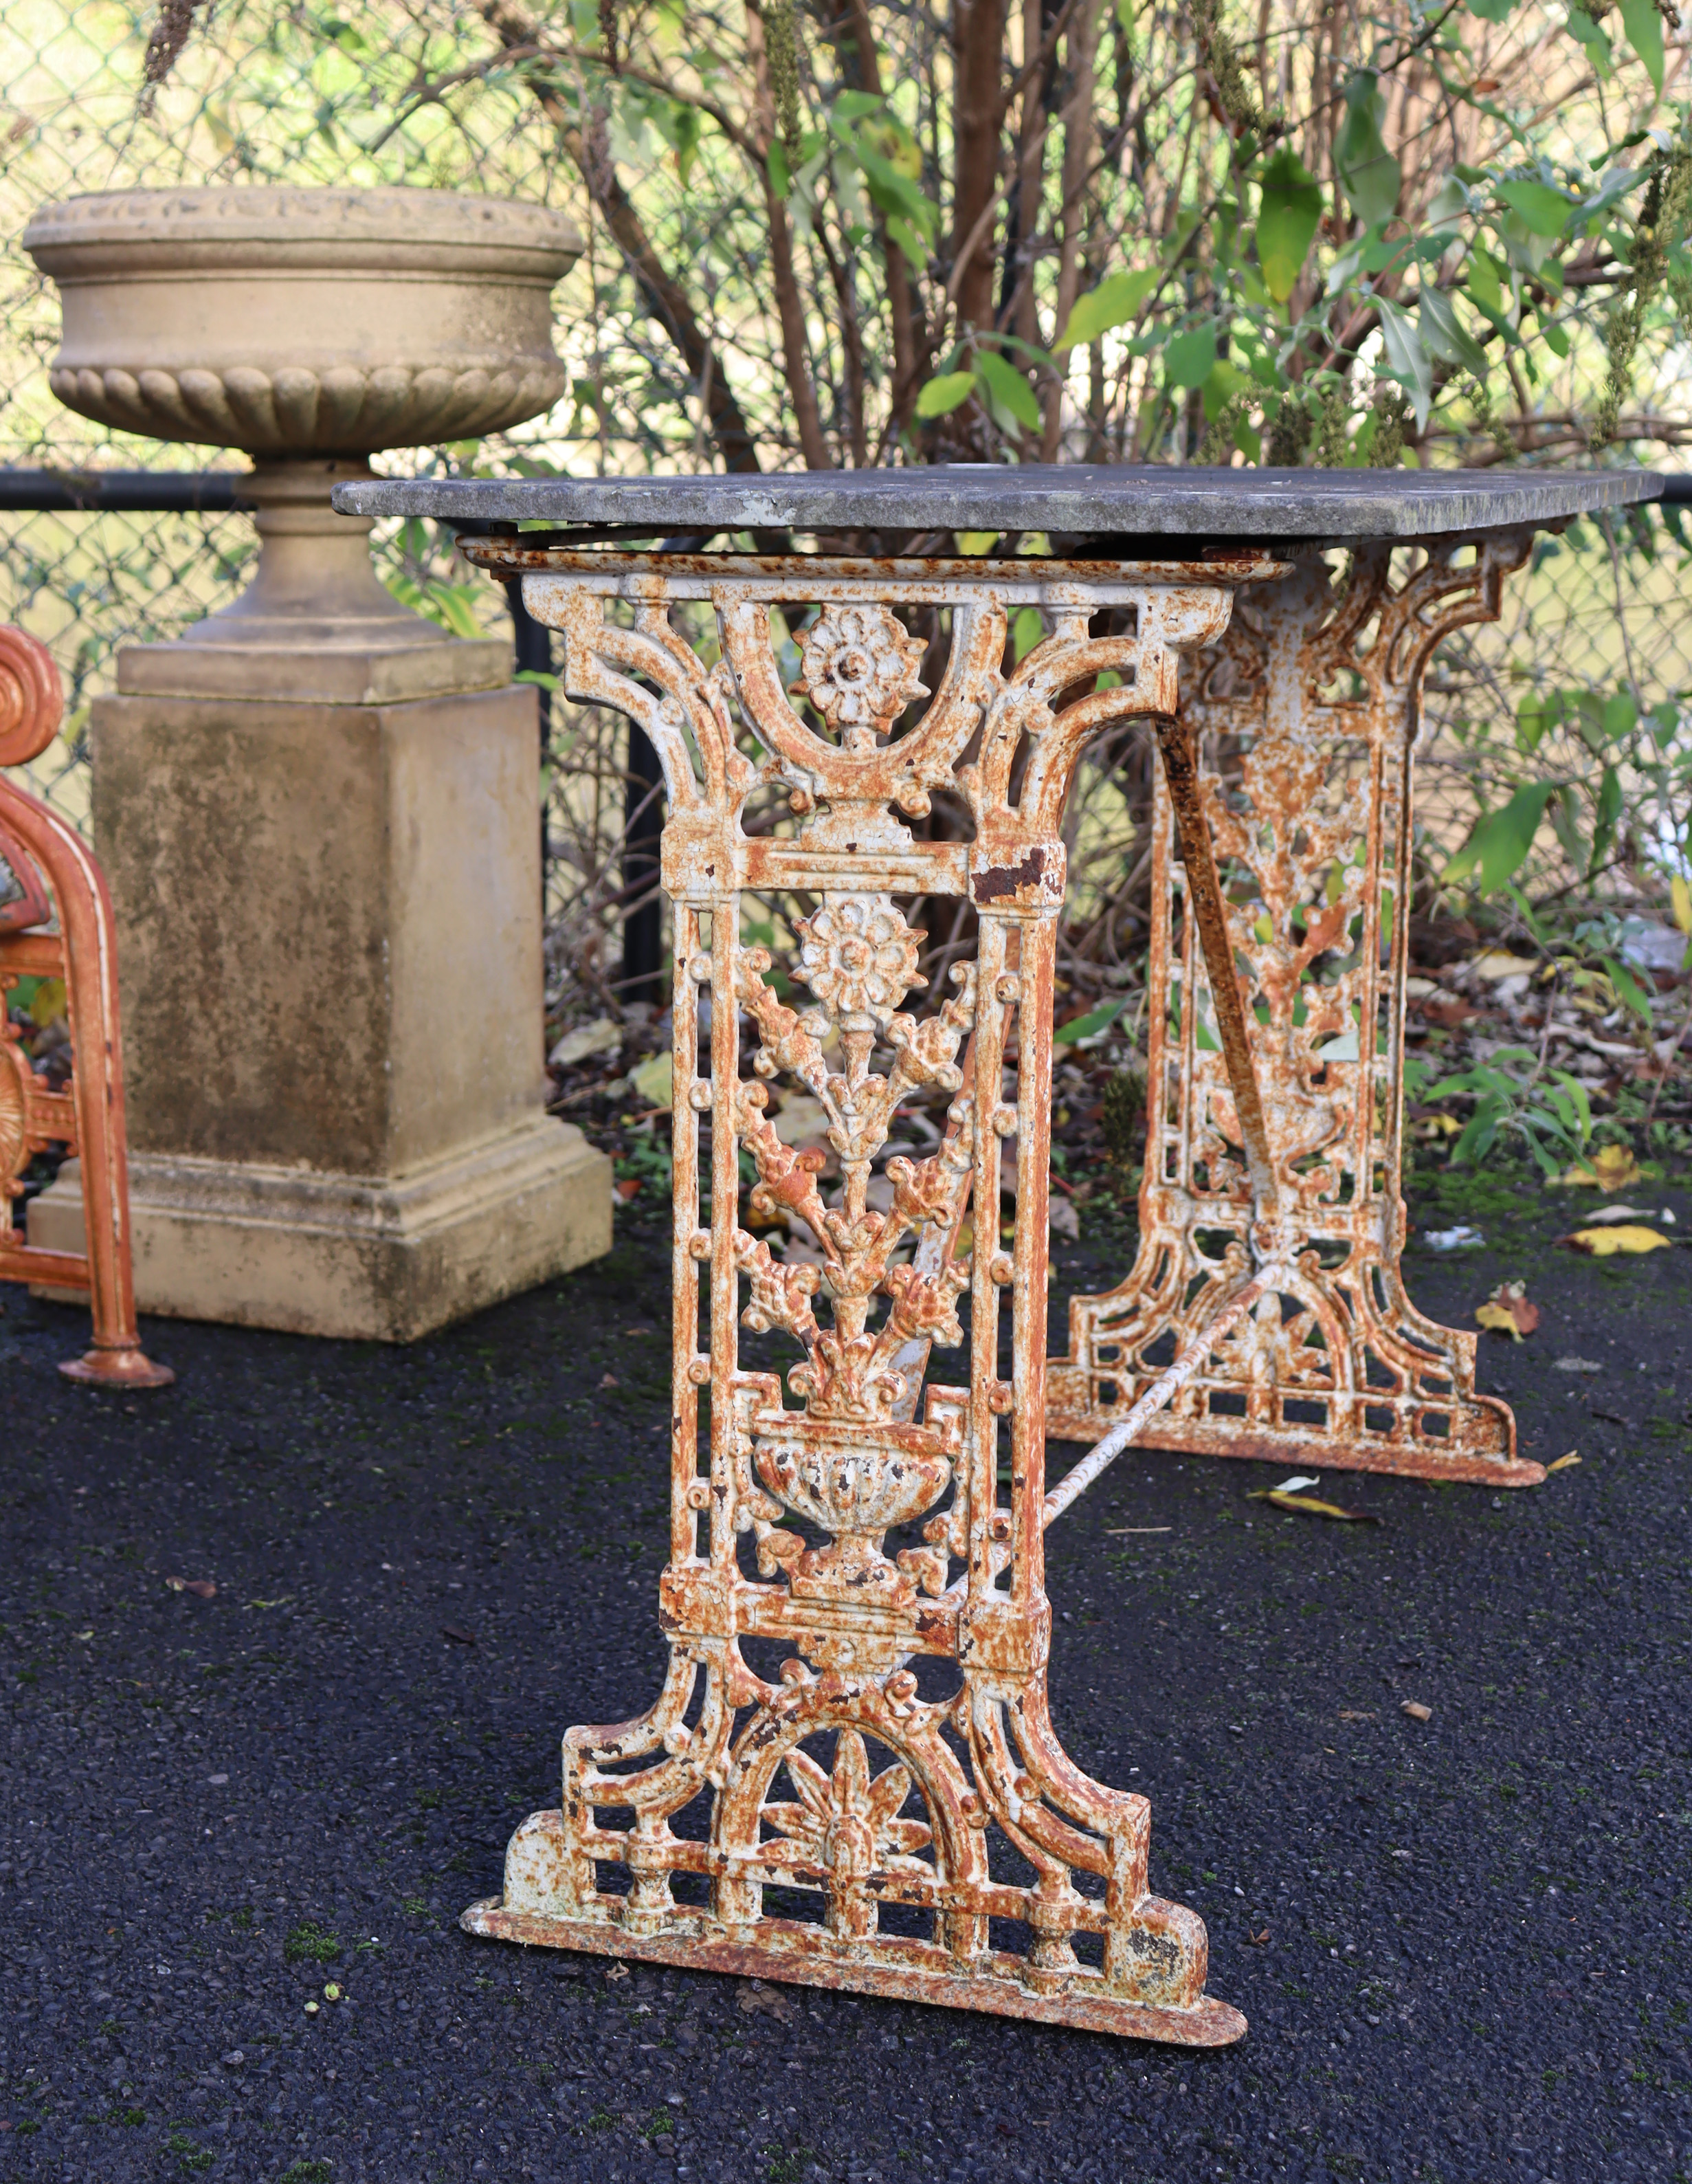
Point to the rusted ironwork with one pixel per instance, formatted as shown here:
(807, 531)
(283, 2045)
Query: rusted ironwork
(909, 1715)
(58, 879)
(1279, 926)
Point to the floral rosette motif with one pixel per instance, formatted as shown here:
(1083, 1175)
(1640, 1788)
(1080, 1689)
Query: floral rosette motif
(859, 668)
(859, 957)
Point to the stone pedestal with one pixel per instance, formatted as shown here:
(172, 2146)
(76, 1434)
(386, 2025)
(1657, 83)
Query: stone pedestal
(324, 856)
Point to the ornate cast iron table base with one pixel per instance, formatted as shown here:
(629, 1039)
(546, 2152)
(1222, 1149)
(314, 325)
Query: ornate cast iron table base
(1306, 713)
(955, 1852)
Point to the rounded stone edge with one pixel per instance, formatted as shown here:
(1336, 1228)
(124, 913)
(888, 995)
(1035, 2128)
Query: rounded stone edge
(267, 225)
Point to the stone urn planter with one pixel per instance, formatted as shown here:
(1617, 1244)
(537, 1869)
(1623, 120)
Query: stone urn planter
(310, 328)
(317, 810)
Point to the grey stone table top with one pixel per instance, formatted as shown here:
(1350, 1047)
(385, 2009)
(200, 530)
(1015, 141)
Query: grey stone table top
(1075, 499)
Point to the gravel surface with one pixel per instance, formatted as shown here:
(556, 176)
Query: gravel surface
(1461, 1943)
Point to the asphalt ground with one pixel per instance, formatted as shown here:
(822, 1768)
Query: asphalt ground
(1461, 1944)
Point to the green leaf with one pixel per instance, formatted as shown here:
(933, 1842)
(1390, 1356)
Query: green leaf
(1485, 284)
(1555, 338)
(1407, 358)
(1190, 358)
(1585, 32)
(1444, 334)
(1608, 813)
(853, 105)
(1500, 843)
(1224, 382)
(686, 139)
(781, 179)
(1491, 11)
(1628, 991)
(1007, 389)
(1091, 1026)
(1566, 824)
(1643, 27)
(1288, 214)
(1543, 211)
(1533, 718)
(944, 394)
(1370, 174)
(1027, 632)
(1620, 715)
(893, 191)
(1113, 303)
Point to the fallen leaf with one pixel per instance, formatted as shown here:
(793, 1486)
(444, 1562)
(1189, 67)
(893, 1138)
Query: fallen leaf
(1494, 963)
(1576, 1365)
(1606, 1243)
(200, 1587)
(652, 1081)
(1462, 1237)
(1448, 1011)
(609, 1380)
(618, 1971)
(1257, 1941)
(1611, 1168)
(1438, 1126)
(1563, 1463)
(1308, 1506)
(1619, 1213)
(770, 1999)
(1416, 1711)
(602, 1036)
(1130, 1531)
(459, 1637)
(1064, 1220)
(628, 1188)
(1508, 1311)
(1298, 1482)
(1351, 1714)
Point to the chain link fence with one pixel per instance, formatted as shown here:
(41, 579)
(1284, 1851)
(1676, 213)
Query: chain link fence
(1580, 692)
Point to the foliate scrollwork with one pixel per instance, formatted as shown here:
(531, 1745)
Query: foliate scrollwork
(846, 1822)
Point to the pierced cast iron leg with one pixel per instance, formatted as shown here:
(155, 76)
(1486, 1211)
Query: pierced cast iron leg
(878, 1770)
(1286, 929)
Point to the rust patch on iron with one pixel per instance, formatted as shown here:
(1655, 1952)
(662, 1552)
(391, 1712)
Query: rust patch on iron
(991, 886)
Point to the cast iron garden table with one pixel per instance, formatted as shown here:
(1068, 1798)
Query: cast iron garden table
(953, 1851)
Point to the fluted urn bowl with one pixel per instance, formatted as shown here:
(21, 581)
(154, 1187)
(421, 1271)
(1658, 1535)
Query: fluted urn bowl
(852, 1479)
(293, 322)
(310, 327)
